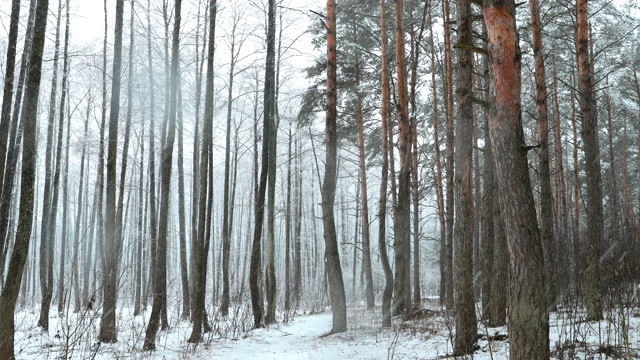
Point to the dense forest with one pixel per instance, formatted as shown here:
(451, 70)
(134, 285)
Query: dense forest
(212, 170)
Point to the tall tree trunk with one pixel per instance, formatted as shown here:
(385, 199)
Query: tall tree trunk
(152, 155)
(11, 287)
(438, 161)
(184, 271)
(199, 61)
(577, 196)
(256, 252)
(366, 243)
(628, 200)
(403, 225)
(140, 241)
(63, 102)
(546, 199)
(561, 191)
(287, 234)
(414, 56)
(494, 242)
(160, 276)
(199, 314)
(595, 220)
(466, 326)
(382, 209)
(226, 209)
(15, 141)
(614, 227)
(108, 328)
(297, 249)
(332, 254)
(487, 244)
(270, 279)
(80, 206)
(528, 312)
(417, 297)
(449, 139)
(637, 86)
(7, 97)
(47, 238)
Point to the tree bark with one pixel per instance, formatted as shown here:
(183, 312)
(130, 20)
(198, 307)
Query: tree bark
(366, 243)
(11, 287)
(287, 232)
(332, 254)
(403, 225)
(140, 241)
(226, 209)
(7, 97)
(199, 286)
(450, 140)
(15, 141)
(108, 328)
(595, 220)
(382, 208)
(528, 312)
(438, 161)
(75, 275)
(47, 238)
(184, 271)
(63, 102)
(546, 197)
(160, 276)
(466, 326)
(561, 190)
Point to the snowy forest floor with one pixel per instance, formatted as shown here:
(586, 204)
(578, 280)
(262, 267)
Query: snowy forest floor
(428, 336)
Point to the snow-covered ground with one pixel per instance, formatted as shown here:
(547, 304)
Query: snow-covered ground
(427, 337)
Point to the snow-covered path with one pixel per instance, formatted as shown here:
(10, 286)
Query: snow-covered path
(428, 337)
(302, 339)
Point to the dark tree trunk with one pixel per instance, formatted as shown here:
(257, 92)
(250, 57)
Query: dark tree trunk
(75, 275)
(226, 241)
(160, 276)
(270, 279)
(438, 161)
(153, 220)
(63, 103)
(199, 314)
(577, 196)
(561, 191)
(449, 139)
(382, 210)
(332, 254)
(108, 328)
(466, 326)
(15, 141)
(199, 61)
(184, 271)
(595, 221)
(256, 252)
(546, 199)
(47, 238)
(487, 244)
(5, 116)
(140, 240)
(366, 243)
(287, 232)
(11, 287)
(403, 225)
(297, 249)
(528, 312)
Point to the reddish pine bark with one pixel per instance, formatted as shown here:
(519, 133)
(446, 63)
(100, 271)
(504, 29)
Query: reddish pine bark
(528, 314)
